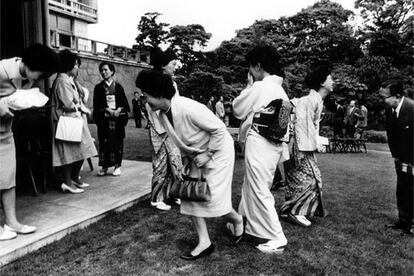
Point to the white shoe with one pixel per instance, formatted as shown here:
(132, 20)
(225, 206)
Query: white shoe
(117, 172)
(25, 229)
(65, 188)
(162, 206)
(178, 201)
(300, 220)
(304, 220)
(102, 172)
(273, 246)
(7, 235)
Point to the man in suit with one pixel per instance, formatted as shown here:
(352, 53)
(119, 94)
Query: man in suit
(136, 109)
(351, 118)
(399, 127)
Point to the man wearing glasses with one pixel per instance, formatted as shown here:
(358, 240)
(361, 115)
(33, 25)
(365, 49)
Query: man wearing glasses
(399, 126)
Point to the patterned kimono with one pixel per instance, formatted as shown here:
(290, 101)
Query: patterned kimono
(304, 190)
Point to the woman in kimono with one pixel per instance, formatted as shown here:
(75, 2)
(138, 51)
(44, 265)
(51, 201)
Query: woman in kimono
(67, 101)
(110, 113)
(304, 189)
(37, 62)
(166, 158)
(205, 145)
(257, 203)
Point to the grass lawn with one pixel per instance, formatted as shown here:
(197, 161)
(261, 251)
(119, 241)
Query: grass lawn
(359, 194)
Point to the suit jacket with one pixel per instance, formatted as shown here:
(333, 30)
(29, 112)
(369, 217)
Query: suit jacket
(400, 132)
(10, 81)
(351, 117)
(136, 106)
(99, 105)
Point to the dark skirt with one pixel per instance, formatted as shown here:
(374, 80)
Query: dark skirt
(111, 148)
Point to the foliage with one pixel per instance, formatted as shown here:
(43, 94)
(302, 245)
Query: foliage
(150, 33)
(188, 41)
(388, 29)
(321, 33)
(201, 86)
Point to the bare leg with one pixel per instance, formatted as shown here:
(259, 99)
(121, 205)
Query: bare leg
(203, 237)
(237, 221)
(8, 198)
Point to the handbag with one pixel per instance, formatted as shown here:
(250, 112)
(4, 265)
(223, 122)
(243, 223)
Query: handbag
(69, 129)
(191, 188)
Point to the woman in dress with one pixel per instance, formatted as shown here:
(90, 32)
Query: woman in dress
(66, 101)
(37, 62)
(304, 189)
(205, 143)
(110, 113)
(164, 165)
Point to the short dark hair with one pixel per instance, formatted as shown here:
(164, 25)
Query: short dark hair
(110, 66)
(38, 57)
(268, 57)
(67, 60)
(317, 76)
(395, 86)
(160, 58)
(156, 84)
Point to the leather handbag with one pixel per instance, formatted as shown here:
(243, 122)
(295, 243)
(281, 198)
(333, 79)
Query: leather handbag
(191, 188)
(69, 129)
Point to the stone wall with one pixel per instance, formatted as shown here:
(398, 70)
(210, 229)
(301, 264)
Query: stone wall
(126, 73)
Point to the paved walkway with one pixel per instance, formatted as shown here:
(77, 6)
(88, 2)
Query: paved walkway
(56, 214)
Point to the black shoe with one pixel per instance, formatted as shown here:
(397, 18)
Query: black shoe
(238, 239)
(202, 254)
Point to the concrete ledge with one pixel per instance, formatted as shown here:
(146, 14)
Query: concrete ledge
(57, 214)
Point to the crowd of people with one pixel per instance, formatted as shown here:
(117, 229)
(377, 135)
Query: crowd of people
(188, 136)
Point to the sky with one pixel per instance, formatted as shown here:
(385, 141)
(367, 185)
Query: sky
(118, 20)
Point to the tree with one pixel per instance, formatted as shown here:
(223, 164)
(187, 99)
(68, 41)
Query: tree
(202, 85)
(188, 41)
(388, 29)
(151, 33)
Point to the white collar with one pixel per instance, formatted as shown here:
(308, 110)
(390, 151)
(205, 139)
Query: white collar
(273, 78)
(397, 110)
(109, 82)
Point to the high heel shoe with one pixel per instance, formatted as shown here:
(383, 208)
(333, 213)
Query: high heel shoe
(204, 253)
(65, 188)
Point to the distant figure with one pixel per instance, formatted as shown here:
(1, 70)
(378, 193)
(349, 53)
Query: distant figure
(210, 104)
(339, 119)
(220, 109)
(351, 118)
(399, 126)
(362, 122)
(110, 110)
(136, 109)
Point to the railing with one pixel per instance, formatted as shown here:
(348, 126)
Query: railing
(76, 8)
(64, 41)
